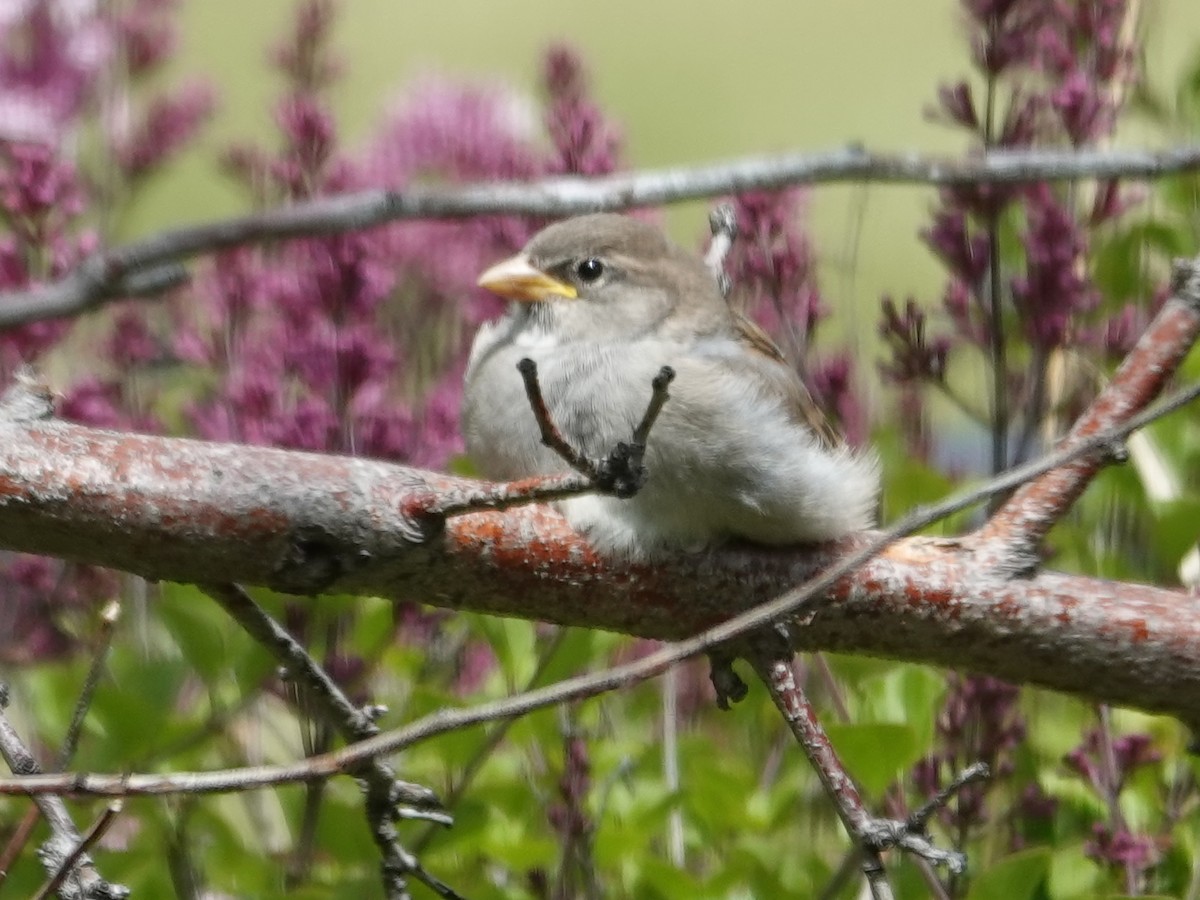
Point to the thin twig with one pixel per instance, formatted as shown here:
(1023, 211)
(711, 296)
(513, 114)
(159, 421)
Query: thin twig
(95, 831)
(108, 622)
(17, 841)
(776, 673)
(621, 473)
(997, 346)
(85, 882)
(658, 397)
(109, 274)
(383, 790)
(493, 740)
(919, 819)
(1012, 536)
(551, 436)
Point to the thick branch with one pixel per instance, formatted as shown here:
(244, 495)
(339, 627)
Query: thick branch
(180, 510)
(139, 267)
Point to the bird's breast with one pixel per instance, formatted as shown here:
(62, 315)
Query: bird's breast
(595, 392)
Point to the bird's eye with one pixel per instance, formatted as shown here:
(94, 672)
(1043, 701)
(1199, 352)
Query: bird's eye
(590, 269)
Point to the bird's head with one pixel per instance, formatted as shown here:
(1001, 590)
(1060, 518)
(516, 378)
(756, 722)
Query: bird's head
(605, 276)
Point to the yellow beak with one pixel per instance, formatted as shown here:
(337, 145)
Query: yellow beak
(516, 279)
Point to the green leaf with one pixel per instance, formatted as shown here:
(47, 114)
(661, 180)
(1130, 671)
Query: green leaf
(905, 694)
(1072, 875)
(658, 878)
(876, 754)
(512, 641)
(1015, 877)
(1176, 529)
(201, 630)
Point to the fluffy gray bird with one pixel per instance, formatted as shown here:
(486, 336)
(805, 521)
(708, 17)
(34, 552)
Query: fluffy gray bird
(601, 303)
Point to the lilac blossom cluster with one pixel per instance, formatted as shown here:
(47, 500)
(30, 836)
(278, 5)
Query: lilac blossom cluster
(980, 721)
(356, 343)
(573, 824)
(1107, 763)
(1049, 73)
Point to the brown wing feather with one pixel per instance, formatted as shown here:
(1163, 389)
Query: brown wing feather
(804, 408)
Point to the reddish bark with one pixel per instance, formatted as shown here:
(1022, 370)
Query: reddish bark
(190, 511)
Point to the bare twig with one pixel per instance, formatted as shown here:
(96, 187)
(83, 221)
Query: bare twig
(17, 840)
(493, 740)
(95, 831)
(998, 350)
(110, 273)
(108, 623)
(658, 397)
(383, 790)
(551, 436)
(871, 833)
(621, 473)
(93, 284)
(801, 719)
(919, 819)
(80, 880)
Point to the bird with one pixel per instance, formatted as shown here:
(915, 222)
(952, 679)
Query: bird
(739, 451)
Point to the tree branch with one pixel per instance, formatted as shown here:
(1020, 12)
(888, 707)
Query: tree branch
(150, 264)
(180, 510)
(305, 523)
(1012, 537)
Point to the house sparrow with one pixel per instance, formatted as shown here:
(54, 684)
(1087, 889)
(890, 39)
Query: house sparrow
(601, 303)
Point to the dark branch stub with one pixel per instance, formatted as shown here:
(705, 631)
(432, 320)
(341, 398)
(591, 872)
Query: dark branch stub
(729, 686)
(622, 473)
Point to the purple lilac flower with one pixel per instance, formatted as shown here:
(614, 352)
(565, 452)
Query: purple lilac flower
(980, 721)
(772, 266)
(586, 142)
(1107, 764)
(1054, 289)
(915, 357)
(1122, 849)
(51, 56)
(1052, 73)
(170, 122)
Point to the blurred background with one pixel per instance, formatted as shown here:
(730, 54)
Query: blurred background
(355, 343)
(689, 81)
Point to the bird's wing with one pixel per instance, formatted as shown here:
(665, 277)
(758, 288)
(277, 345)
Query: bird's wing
(768, 363)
